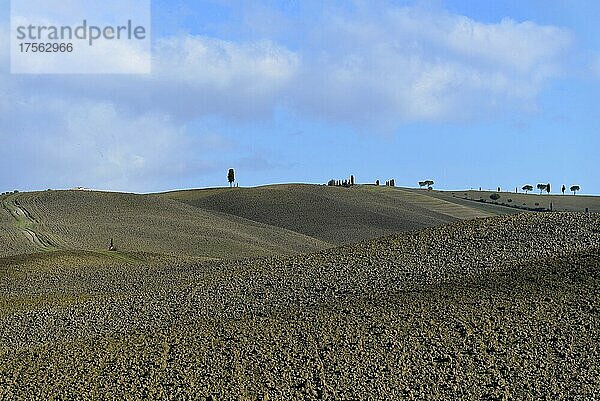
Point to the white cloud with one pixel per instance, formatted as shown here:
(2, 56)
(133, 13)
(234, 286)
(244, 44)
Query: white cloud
(192, 77)
(94, 144)
(408, 64)
(130, 132)
(520, 46)
(205, 75)
(120, 149)
(382, 69)
(105, 56)
(225, 65)
(375, 71)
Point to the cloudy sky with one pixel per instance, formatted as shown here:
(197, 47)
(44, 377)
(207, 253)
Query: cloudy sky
(467, 93)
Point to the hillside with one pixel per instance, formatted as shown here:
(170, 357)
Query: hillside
(568, 202)
(498, 308)
(227, 223)
(80, 220)
(334, 214)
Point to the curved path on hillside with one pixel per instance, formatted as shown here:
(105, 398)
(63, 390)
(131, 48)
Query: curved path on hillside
(26, 223)
(443, 206)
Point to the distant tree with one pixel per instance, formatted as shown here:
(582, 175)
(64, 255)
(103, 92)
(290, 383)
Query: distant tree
(331, 183)
(548, 187)
(231, 177)
(575, 189)
(527, 188)
(563, 189)
(392, 182)
(352, 179)
(377, 182)
(541, 187)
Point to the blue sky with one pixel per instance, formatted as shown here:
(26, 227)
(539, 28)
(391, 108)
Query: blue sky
(467, 93)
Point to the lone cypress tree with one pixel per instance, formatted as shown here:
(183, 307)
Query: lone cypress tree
(231, 177)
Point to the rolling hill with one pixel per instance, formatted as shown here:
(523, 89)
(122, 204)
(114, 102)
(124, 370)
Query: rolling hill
(499, 308)
(334, 214)
(218, 223)
(225, 223)
(78, 220)
(247, 293)
(570, 203)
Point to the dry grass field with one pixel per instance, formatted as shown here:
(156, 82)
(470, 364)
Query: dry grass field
(257, 294)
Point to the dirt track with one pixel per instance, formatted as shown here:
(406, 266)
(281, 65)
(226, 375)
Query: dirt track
(26, 223)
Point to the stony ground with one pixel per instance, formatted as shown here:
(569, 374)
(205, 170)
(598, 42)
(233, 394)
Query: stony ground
(502, 308)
